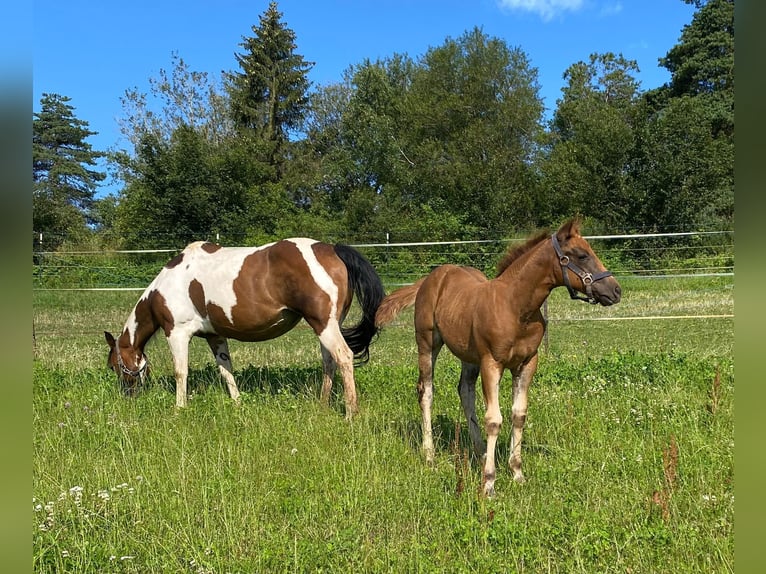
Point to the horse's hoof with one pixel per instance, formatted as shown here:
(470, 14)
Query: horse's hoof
(519, 478)
(350, 414)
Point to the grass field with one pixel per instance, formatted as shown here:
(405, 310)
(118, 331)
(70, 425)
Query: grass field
(628, 451)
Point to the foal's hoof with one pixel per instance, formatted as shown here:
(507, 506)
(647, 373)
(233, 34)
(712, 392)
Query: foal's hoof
(519, 478)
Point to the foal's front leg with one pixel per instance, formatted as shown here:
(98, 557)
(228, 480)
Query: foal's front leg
(521, 381)
(491, 372)
(467, 390)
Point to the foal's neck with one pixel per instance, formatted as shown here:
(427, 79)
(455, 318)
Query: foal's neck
(531, 278)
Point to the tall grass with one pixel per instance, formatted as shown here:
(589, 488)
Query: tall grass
(282, 484)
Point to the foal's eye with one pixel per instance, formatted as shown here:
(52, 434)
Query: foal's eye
(582, 257)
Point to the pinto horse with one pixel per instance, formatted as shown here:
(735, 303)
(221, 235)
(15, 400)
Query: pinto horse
(253, 294)
(493, 325)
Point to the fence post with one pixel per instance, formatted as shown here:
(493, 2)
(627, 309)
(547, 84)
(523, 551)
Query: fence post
(547, 326)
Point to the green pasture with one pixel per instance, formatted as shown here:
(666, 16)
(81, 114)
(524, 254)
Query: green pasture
(628, 451)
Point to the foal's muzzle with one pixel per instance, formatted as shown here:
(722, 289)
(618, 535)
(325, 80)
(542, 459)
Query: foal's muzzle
(604, 296)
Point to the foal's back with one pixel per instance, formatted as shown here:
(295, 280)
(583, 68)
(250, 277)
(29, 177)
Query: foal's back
(476, 316)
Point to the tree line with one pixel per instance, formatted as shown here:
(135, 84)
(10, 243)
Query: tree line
(452, 144)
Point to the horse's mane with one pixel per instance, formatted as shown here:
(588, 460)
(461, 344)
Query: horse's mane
(514, 253)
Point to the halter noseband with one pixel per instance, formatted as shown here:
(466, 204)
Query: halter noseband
(586, 277)
(129, 372)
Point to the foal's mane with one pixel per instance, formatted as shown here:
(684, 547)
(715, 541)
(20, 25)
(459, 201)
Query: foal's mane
(514, 253)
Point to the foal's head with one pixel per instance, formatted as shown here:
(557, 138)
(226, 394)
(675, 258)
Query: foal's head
(581, 269)
(131, 366)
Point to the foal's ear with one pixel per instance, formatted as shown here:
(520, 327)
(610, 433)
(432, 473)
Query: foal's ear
(109, 339)
(569, 229)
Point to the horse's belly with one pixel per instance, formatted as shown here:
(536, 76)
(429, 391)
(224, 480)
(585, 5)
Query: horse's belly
(257, 328)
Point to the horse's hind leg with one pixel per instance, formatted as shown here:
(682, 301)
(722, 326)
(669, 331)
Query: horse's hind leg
(220, 348)
(429, 344)
(467, 390)
(328, 373)
(333, 343)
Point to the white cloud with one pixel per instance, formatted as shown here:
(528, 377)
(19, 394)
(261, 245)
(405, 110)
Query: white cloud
(611, 8)
(547, 9)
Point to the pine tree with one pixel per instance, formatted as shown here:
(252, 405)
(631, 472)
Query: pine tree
(269, 96)
(62, 161)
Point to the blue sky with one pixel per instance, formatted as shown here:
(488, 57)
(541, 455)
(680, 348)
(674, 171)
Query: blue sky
(93, 51)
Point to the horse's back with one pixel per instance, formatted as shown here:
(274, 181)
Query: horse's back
(251, 293)
(275, 270)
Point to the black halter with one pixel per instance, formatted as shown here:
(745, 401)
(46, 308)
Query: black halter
(587, 278)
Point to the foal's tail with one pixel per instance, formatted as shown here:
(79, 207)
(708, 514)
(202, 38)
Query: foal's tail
(366, 285)
(396, 302)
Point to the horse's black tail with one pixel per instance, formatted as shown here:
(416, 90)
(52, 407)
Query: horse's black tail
(366, 285)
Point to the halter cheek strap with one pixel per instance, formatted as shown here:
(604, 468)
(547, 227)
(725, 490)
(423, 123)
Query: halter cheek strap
(586, 277)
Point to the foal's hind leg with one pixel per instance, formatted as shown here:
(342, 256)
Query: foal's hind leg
(429, 344)
(220, 348)
(467, 390)
(521, 381)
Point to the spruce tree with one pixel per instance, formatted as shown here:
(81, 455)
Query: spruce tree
(62, 170)
(269, 95)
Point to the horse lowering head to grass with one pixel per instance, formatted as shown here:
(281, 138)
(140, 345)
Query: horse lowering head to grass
(496, 324)
(253, 294)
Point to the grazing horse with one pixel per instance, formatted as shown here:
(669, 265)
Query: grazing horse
(253, 294)
(493, 325)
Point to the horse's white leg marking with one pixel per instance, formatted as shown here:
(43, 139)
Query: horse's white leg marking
(328, 373)
(467, 391)
(179, 348)
(521, 382)
(332, 340)
(220, 348)
(491, 372)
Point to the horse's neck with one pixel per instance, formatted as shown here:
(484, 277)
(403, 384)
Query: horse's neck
(138, 332)
(530, 279)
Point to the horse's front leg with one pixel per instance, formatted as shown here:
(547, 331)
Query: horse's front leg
(220, 348)
(179, 349)
(491, 373)
(522, 377)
